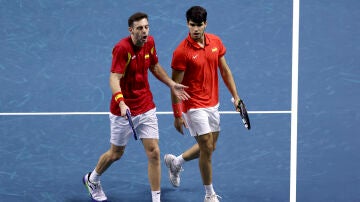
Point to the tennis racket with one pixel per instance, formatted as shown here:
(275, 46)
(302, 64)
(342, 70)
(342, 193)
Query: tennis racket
(243, 113)
(128, 115)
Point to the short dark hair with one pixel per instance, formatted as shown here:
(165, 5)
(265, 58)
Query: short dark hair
(136, 17)
(196, 14)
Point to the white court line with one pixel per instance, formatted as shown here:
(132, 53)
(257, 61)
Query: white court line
(107, 113)
(294, 99)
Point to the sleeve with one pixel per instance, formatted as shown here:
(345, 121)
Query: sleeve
(120, 59)
(179, 60)
(222, 48)
(153, 53)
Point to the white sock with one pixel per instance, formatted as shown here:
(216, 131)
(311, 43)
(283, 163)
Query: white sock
(209, 190)
(94, 176)
(155, 196)
(179, 160)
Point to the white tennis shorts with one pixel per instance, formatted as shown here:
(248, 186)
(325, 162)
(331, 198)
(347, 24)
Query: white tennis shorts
(146, 126)
(203, 120)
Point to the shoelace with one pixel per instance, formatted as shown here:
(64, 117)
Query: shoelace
(95, 186)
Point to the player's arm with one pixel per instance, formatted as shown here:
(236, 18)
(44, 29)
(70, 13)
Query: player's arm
(158, 71)
(176, 88)
(114, 81)
(228, 79)
(177, 76)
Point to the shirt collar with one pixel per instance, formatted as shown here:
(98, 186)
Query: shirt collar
(195, 44)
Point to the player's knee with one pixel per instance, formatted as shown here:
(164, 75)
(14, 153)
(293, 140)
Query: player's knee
(207, 148)
(154, 153)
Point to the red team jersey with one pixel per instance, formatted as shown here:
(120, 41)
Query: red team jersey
(134, 62)
(200, 67)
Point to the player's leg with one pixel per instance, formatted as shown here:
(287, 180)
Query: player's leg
(148, 132)
(174, 163)
(119, 136)
(109, 157)
(192, 153)
(215, 138)
(209, 145)
(154, 169)
(206, 147)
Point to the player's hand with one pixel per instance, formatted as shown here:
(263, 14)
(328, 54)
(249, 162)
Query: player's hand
(236, 103)
(179, 123)
(179, 91)
(123, 108)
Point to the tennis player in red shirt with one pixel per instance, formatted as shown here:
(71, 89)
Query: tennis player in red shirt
(195, 63)
(133, 56)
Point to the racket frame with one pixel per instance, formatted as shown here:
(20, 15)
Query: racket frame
(243, 113)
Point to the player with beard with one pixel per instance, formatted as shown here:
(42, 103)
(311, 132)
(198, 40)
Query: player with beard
(133, 56)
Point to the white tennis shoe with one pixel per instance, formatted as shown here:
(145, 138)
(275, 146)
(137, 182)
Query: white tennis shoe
(95, 190)
(212, 198)
(174, 171)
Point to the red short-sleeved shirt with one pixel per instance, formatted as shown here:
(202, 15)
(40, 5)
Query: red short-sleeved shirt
(134, 62)
(200, 67)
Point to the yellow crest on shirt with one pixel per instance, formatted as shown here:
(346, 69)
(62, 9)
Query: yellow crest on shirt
(147, 56)
(152, 50)
(214, 49)
(128, 60)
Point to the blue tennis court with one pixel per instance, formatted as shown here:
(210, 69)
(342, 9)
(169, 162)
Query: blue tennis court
(55, 59)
